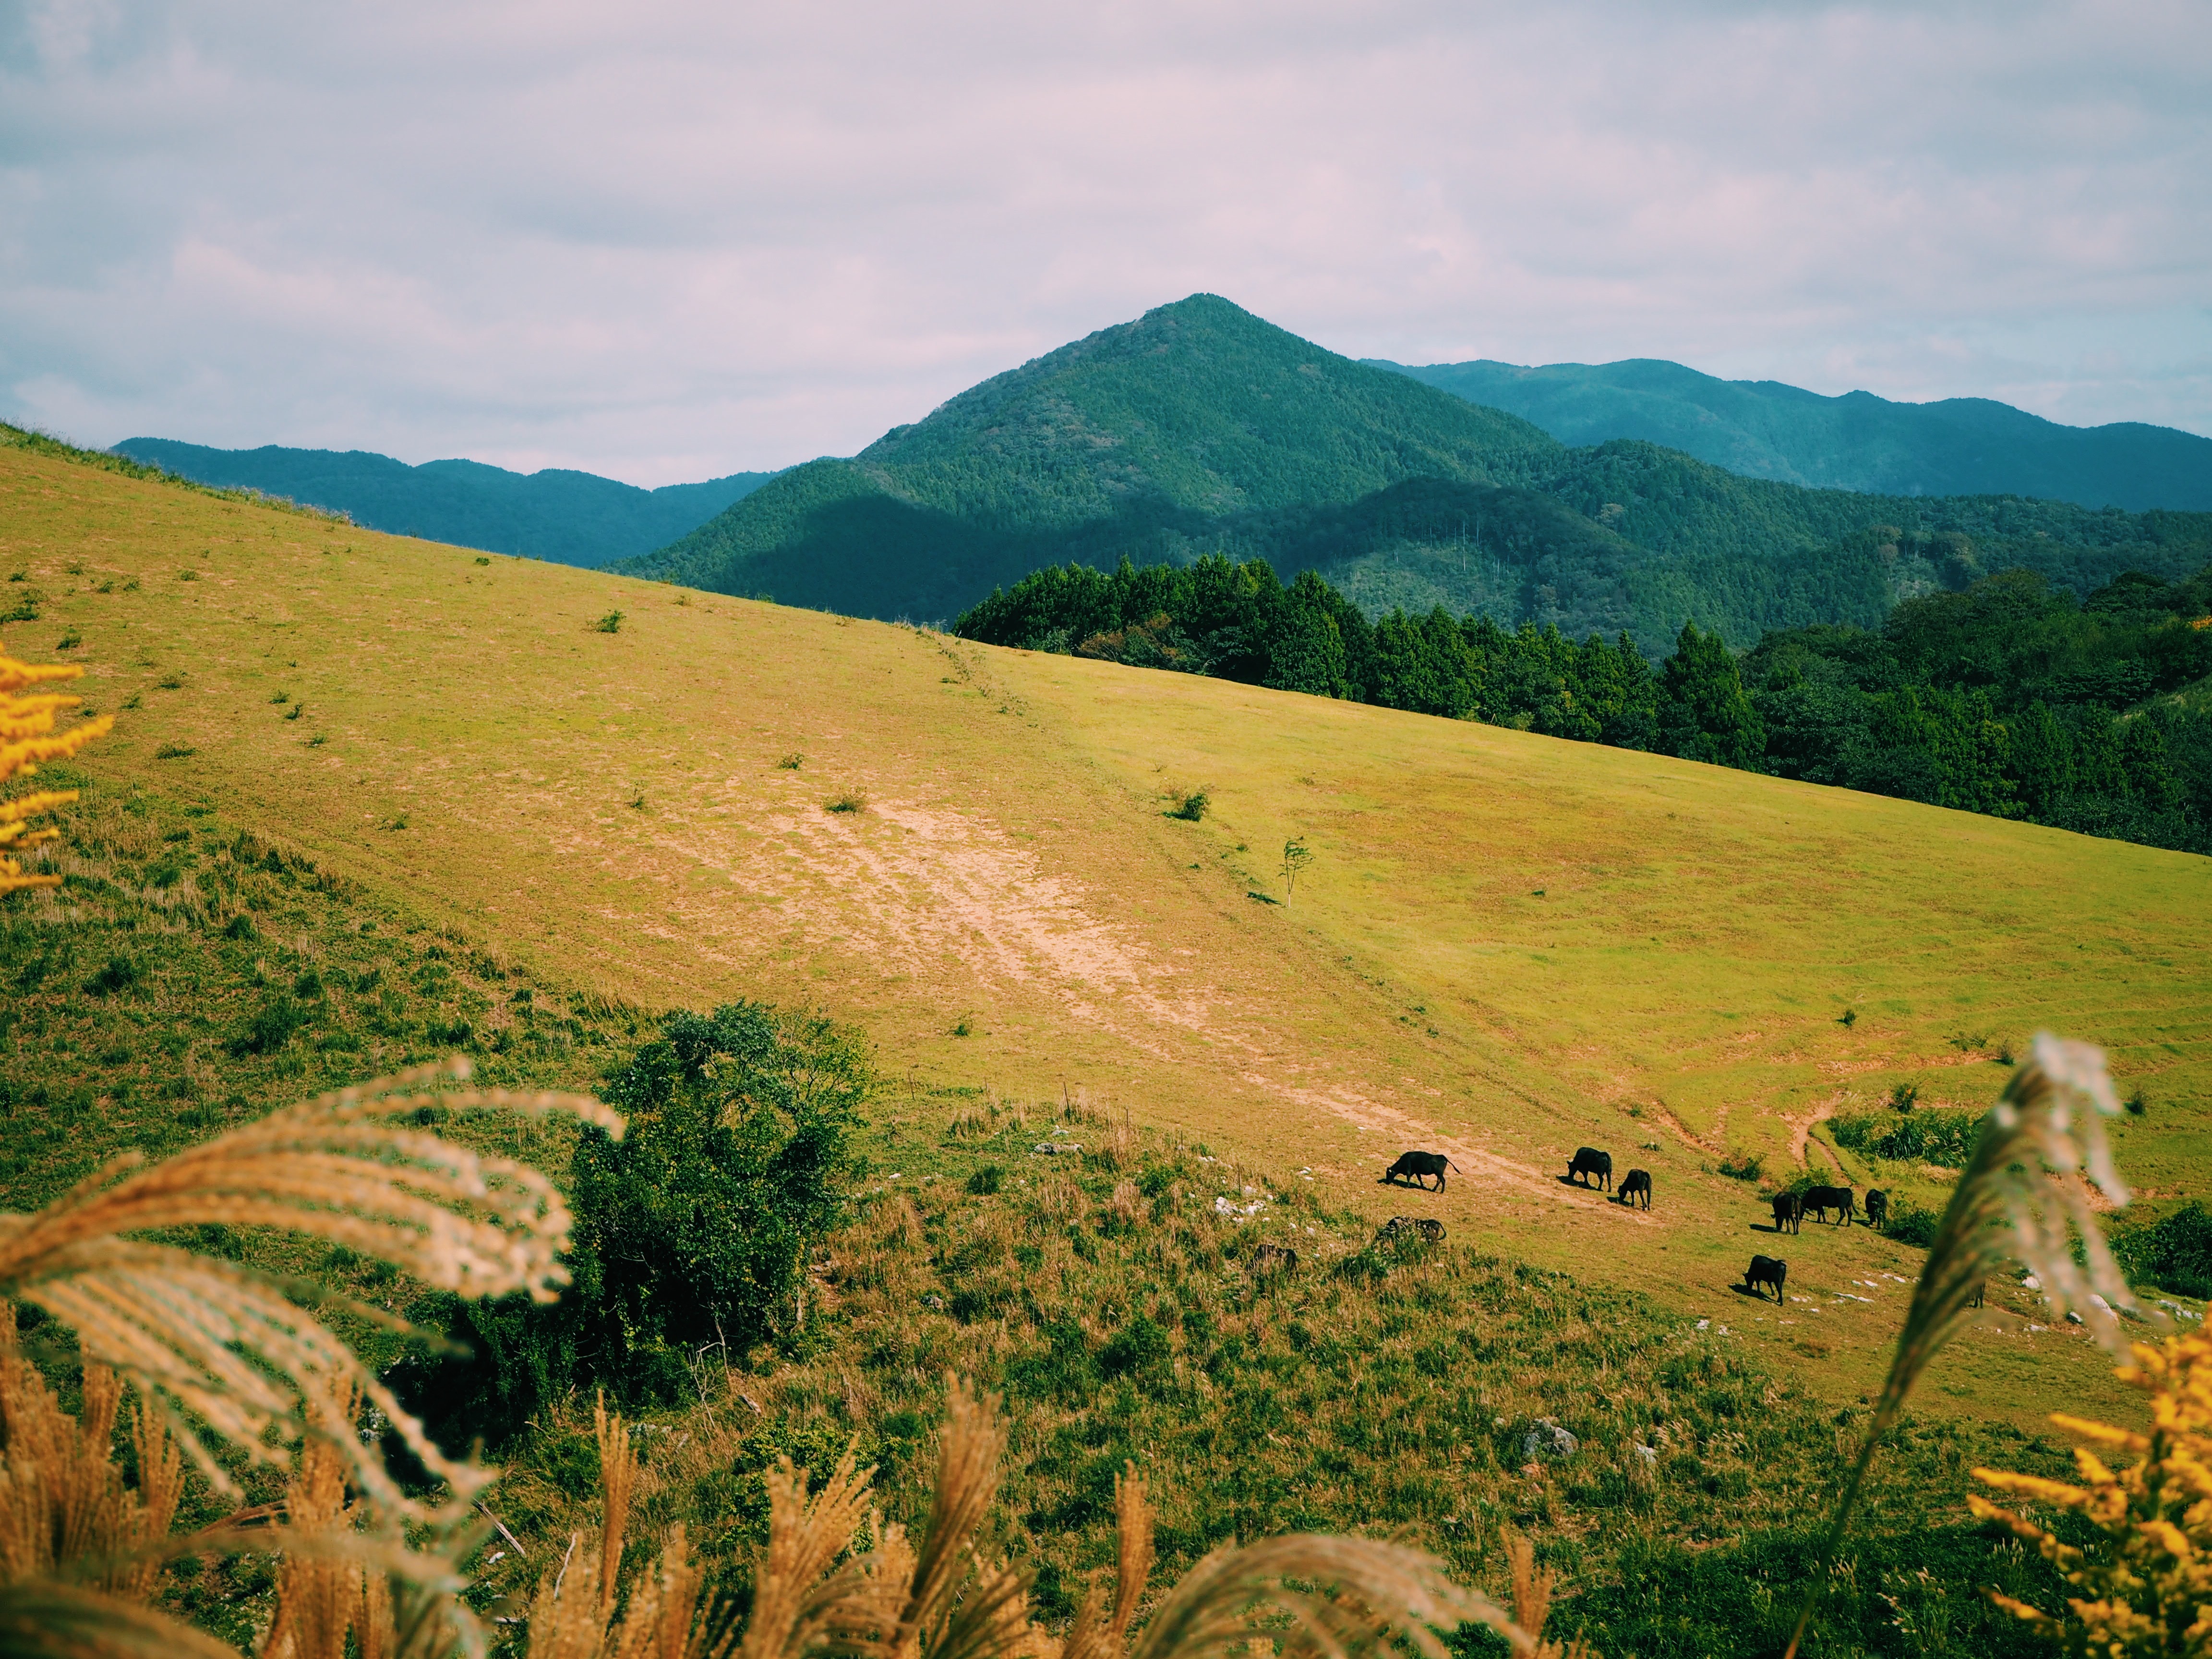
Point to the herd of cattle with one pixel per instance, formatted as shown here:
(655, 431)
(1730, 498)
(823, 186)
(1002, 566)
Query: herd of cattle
(1590, 1166)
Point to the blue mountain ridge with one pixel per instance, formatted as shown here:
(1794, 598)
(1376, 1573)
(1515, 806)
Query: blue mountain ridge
(565, 517)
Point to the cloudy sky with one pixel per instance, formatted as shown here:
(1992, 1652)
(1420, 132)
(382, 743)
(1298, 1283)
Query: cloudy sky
(666, 240)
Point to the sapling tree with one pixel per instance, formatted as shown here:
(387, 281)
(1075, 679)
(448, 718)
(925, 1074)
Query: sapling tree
(1296, 856)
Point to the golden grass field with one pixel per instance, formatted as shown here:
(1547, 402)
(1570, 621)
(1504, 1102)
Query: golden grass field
(1505, 946)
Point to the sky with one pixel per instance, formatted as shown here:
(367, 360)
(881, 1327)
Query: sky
(666, 242)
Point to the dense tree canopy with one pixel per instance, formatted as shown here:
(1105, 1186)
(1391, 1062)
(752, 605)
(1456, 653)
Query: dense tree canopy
(2008, 696)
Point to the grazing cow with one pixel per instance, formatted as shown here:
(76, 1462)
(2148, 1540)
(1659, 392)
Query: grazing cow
(1877, 1208)
(1637, 1183)
(1788, 1211)
(1398, 1229)
(1765, 1270)
(1588, 1161)
(1825, 1199)
(1414, 1165)
(1270, 1259)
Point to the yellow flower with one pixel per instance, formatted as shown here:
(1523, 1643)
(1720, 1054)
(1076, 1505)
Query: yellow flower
(2146, 1587)
(27, 737)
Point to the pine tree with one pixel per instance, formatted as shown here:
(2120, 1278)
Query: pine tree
(1704, 712)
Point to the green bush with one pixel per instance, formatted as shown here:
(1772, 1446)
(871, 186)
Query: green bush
(280, 1018)
(986, 1180)
(1137, 1346)
(1192, 807)
(2174, 1252)
(1911, 1223)
(1944, 1139)
(120, 974)
(692, 1231)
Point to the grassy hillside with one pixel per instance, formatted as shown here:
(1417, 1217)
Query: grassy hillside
(568, 517)
(189, 976)
(1764, 429)
(1506, 946)
(1200, 429)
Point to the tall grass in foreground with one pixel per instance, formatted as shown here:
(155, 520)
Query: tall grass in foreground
(942, 1598)
(226, 1364)
(2023, 1197)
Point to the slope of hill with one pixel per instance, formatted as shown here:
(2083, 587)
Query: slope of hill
(1505, 946)
(232, 983)
(570, 518)
(1764, 429)
(1200, 428)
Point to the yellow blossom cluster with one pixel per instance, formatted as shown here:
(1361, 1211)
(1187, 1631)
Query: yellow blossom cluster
(2146, 1587)
(27, 737)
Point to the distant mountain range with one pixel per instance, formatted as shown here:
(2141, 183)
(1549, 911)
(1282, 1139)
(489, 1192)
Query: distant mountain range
(1201, 428)
(1764, 429)
(567, 518)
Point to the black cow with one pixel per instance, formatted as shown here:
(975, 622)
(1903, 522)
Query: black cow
(1637, 1183)
(1825, 1199)
(1588, 1161)
(1400, 1228)
(1765, 1270)
(1414, 1165)
(1788, 1211)
(1272, 1258)
(1877, 1207)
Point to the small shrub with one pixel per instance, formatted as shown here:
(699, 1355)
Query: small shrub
(171, 682)
(1848, 1018)
(2138, 1103)
(1912, 1224)
(272, 1029)
(790, 763)
(120, 974)
(188, 575)
(610, 623)
(1904, 1097)
(241, 926)
(965, 1028)
(308, 985)
(482, 560)
(1743, 1166)
(281, 696)
(850, 801)
(986, 1180)
(175, 751)
(2173, 1252)
(1137, 1346)
(1192, 807)
(69, 641)
(318, 740)
(1941, 1137)
(295, 711)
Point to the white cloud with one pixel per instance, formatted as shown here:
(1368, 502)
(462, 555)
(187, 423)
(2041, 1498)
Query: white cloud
(666, 242)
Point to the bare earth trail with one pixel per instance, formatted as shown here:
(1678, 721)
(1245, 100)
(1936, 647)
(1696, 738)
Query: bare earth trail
(1505, 947)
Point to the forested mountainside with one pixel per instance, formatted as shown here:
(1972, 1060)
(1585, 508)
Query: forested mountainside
(1764, 429)
(2010, 698)
(1201, 430)
(570, 518)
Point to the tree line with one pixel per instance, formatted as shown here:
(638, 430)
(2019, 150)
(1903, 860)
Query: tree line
(2010, 697)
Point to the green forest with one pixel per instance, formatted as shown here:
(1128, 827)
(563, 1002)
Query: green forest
(2009, 697)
